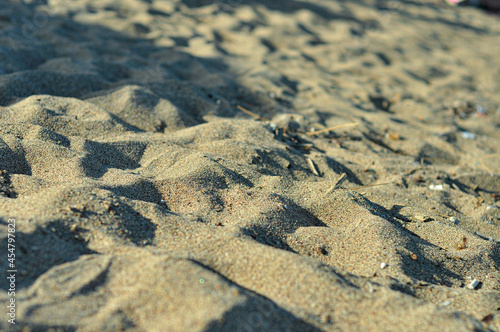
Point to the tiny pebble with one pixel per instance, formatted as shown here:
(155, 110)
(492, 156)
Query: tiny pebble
(371, 290)
(473, 284)
(454, 220)
(422, 218)
(383, 265)
(446, 303)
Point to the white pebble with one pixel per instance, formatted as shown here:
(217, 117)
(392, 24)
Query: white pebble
(468, 135)
(454, 220)
(436, 187)
(445, 303)
(383, 265)
(473, 284)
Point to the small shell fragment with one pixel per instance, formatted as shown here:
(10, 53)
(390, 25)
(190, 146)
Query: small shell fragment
(436, 187)
(473, 284)
(454, 220)
(383, 265)
(445, 303)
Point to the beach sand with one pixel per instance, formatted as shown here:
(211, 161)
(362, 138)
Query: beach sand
(169, 166)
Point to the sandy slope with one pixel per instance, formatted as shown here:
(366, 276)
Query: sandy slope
(146, 200)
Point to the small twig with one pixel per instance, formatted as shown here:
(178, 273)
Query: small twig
(331, 128)
(372, 185)
(481, 161)
(258, 117)
(337, 183)
(439, 214)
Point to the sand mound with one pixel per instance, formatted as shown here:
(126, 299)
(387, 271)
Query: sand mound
(147, 197)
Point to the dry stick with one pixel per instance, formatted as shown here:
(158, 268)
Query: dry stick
(332, 128)
(337, 183)
(372, 185)
(250, 113)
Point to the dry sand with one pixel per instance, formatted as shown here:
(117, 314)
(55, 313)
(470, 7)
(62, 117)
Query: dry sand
(145, 199)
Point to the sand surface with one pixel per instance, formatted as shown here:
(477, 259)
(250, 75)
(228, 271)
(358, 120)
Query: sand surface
(146, 198)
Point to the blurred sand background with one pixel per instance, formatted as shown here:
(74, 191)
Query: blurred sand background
(147, 199)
